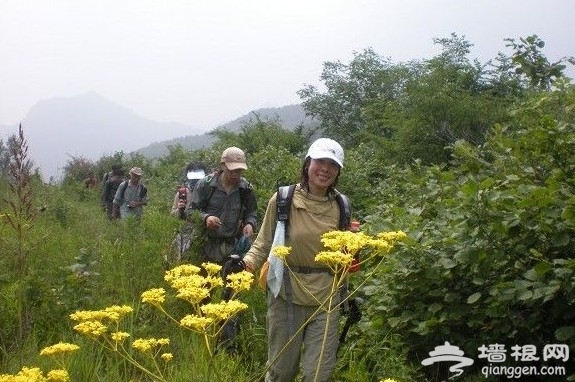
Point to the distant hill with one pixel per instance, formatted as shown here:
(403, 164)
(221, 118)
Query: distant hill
(90, 126)
(289, 117)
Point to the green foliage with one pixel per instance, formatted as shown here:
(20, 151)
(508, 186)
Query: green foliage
(492, 249)
(78, 168)
(415, 110)
(470, 160)
(259, 134)
(532, 63)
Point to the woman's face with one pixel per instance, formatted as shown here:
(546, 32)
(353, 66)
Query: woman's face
(322, 173)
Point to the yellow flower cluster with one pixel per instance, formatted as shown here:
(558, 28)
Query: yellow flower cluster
(197, 323)
(155, 296)
(59, 348)
(223, 310)
(212, 269)
(388, 380)
(342, 246)
(346, 241)
(334, 259)
(240, 281)
(91, 328)
(58, 375)
(167, 357)
(120, 336)
(181, 271)
(113, 313)
(26, 374)
(146, 345)
(93, 323)
(190, 284)
(193, 294)
(281, 251)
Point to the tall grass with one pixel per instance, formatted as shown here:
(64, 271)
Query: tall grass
(60, 254)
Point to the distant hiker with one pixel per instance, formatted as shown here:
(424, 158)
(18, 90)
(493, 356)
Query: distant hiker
(131, 196)
(105, 177)
(90, 181)
(183, 197)
(109, 190)
(227, 204)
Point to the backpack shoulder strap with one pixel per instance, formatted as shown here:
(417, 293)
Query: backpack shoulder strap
(283, 202)
(123, 187)
(344, 211)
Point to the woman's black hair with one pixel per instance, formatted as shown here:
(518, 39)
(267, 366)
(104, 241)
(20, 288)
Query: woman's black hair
(304, 179)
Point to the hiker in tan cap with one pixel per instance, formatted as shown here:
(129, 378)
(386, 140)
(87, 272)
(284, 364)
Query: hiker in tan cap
(131, 196)
(227, 205)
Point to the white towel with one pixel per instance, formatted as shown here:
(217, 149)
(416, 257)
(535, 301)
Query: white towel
(276, 269)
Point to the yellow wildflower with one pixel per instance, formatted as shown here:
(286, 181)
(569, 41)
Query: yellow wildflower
(392, 236)
(223, 310)
(155, 296)
(188, 281)
(388, 380)
(181, 270)
(146, 345)
(193, 295)
(120, 336)
(213, 282)
(381, 245)
(167, 357)
(88, 315)
(115, 312)
(61, 347)
(58, 375)
(26, 374)
(196, 322)
(91, 328)
(281, 251)
(112, 313)
(240, 281)
(335, 260)
(346, 241)
(211, 268)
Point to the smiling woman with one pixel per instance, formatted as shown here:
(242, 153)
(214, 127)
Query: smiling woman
(301, 308)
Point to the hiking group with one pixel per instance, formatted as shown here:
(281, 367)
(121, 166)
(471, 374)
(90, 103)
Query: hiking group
(301, 333)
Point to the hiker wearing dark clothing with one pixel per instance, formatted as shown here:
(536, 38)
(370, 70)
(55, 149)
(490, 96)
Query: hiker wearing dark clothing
(105, 177)
(109, 190)
(131, 196)
(183, 198)
(227, 205)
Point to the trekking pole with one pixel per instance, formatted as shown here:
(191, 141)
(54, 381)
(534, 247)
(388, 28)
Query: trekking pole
(353, 317)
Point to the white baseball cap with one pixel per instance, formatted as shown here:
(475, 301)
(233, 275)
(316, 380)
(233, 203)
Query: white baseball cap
(198, 174)
(326, 148)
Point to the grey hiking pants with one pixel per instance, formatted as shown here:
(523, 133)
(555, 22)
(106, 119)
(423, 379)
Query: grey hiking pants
(314, 337)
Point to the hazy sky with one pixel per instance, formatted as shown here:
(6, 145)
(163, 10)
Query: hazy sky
(205, 62)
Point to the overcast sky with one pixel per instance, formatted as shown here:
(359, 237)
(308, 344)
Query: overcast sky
(205, 62)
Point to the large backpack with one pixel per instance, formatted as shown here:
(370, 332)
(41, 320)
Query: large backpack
(244, 194)
(124, 185)
(285, 196)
